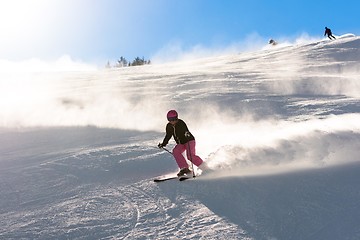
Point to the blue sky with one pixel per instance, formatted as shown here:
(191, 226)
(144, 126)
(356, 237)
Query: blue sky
(100, 30)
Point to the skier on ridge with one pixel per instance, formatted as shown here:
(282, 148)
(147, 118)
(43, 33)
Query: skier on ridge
(185, 142)
(329, 33)
(272, 42)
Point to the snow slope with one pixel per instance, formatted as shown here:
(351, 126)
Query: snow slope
(281, 126)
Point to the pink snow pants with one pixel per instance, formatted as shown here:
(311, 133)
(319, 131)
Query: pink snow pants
(189, 147)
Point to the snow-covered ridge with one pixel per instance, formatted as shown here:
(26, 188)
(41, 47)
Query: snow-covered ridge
(280, 127)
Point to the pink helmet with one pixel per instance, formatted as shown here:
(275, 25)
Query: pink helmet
(172, 115)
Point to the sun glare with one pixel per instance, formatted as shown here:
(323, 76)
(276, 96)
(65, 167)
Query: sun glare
(44, 29)
(23, 23)
(16, 15)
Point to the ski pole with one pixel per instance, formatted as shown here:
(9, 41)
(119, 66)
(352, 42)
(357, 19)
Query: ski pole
(192, 164)
(167, 150)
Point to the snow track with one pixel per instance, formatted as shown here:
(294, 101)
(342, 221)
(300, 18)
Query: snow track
(81, 194)
(158, 217)
(281, 127)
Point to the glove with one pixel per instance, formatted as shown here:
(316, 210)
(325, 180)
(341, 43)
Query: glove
(161, 145)
(187, 134)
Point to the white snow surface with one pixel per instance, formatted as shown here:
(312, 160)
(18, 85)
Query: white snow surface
(279, 127)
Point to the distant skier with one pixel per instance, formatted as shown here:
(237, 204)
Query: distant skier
(185, 142)
(329, 33)
(272, 42)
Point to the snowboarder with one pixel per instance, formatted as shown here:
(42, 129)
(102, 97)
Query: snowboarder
(185, 142)
(329, 33)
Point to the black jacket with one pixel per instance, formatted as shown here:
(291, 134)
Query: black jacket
(178, 132)
(328, 32)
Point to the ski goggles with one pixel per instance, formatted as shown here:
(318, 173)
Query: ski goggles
(171, 119)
